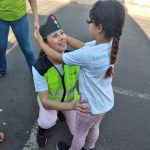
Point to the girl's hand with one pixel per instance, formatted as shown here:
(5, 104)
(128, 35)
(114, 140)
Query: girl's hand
(81, 108)
(37, 35)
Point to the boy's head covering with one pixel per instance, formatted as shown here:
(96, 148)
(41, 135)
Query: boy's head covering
(51, 25)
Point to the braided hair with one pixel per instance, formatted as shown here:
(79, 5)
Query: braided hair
(111, 15)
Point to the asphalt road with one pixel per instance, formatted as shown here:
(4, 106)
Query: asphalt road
(125, 127)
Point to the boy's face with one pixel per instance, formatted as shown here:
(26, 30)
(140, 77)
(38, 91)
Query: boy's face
(57, 41)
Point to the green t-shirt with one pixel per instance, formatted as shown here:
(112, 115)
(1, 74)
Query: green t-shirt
(11, 10)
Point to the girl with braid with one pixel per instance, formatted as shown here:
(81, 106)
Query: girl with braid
(96, 60)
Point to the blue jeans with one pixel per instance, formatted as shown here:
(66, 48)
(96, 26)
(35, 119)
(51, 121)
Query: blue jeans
(20, 29)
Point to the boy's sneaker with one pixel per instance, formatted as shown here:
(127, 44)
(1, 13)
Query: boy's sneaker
(41, 137)
(62, 146)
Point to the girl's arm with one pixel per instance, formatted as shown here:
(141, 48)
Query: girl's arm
(74, 43)
(57, 57)
(55, 105)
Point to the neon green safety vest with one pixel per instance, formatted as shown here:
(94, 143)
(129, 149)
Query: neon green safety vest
(63, 88)
(60, 88)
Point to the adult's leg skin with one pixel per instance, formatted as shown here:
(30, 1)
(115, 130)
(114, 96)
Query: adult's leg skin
(21, 30)
(4, 29)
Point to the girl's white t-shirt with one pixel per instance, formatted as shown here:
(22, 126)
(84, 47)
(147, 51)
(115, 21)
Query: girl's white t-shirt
(93, 60)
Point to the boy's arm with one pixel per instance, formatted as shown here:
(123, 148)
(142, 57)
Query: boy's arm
(74, 43)
(33, 5)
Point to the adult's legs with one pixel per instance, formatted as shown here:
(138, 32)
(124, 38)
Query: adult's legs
(4, 29)
(21, 30)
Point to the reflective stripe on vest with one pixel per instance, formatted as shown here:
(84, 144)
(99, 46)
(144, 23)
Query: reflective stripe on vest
(70, 91)
(59, 92)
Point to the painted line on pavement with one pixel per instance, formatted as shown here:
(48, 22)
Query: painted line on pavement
(31, 143)
(131, 93)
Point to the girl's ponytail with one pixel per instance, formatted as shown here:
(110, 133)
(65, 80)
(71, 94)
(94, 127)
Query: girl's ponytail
(113, 57)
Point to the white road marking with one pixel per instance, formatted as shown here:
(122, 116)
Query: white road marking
(131, 93)
(31, 143)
